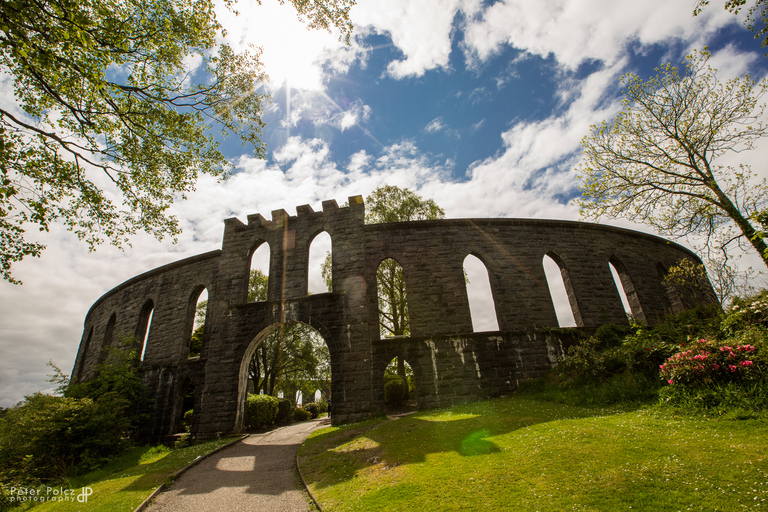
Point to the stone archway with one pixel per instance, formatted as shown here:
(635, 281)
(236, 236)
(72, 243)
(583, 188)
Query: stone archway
(268, 335)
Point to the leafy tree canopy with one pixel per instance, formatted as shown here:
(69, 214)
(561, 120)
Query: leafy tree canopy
(660, 160)
(111, 124)
(756, 17)
(390, 203)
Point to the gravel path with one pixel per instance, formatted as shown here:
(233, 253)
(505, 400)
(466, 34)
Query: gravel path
(254, 475)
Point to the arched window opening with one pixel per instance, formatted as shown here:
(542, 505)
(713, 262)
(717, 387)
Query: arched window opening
(319, 278)
(482, 307)
(393, 300)
(291, 360)
(187, 409)
(558, 290)
(399, 387)
(675, 302)
(198, 323)
(258, 278)
(144, 325)
(84, 356)
(108, 335)
(626, 290)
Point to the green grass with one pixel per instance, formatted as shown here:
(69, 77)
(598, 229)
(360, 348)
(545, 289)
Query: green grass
(524, 454)
(128, 480)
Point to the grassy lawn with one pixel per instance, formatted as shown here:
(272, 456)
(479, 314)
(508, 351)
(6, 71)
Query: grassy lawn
(523, 454)
(127, 481)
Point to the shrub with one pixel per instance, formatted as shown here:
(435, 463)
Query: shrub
(746, 312)
(312, 409)
(118, 384)
(46, 437)
(395, 392)
(705, 363)
(300, 414)
(284, 411)
(260, 411)
(187, 420)
(322, 407)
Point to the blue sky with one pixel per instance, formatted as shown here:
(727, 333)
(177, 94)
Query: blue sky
(477, 105)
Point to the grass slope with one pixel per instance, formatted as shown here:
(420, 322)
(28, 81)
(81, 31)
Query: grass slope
(523, 454)
(128, 480)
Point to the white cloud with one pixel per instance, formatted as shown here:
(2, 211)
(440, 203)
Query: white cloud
(421, 30)
(577, 30)
(435, 125)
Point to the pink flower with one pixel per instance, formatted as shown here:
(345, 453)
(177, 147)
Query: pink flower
(670, 381)
(746, 363)
(733, 367)
(716, 366)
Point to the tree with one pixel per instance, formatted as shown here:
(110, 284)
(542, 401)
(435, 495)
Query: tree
(658, 161)
(392, 204)
(257, 286)
(756, 15)
(45, 437)
(108, 107)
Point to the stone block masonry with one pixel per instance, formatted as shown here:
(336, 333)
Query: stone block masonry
(451, 363)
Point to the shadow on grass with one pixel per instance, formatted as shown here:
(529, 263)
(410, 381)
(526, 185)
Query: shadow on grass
(329, 458)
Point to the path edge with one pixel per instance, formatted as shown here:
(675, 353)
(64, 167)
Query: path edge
(306, 486)
(183, 470)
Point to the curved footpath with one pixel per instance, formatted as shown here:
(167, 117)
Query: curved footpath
(257, 474)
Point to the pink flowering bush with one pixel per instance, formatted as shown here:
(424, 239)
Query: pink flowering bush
(705, 362)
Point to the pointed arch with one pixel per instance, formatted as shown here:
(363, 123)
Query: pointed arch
(394, 319)
(258, 275)
(109, 333)
(626, 289)
(197, 316)
(84, 355)
(674, 301)
(561, 291)
(320, 253)
(143, 326)
(282, 339)
(185, 402)
(482, 307)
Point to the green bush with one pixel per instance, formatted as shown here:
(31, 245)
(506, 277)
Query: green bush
(260, 411)
(47, 437)
(187, 420)
(395, 392)
(312, 409)
(284, 411)
(746, 313)
(300, 414)
(322, 407)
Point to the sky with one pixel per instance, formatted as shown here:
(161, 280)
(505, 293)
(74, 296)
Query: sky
(479, 105)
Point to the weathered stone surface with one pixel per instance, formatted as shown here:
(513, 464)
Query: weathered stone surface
(451, 364)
